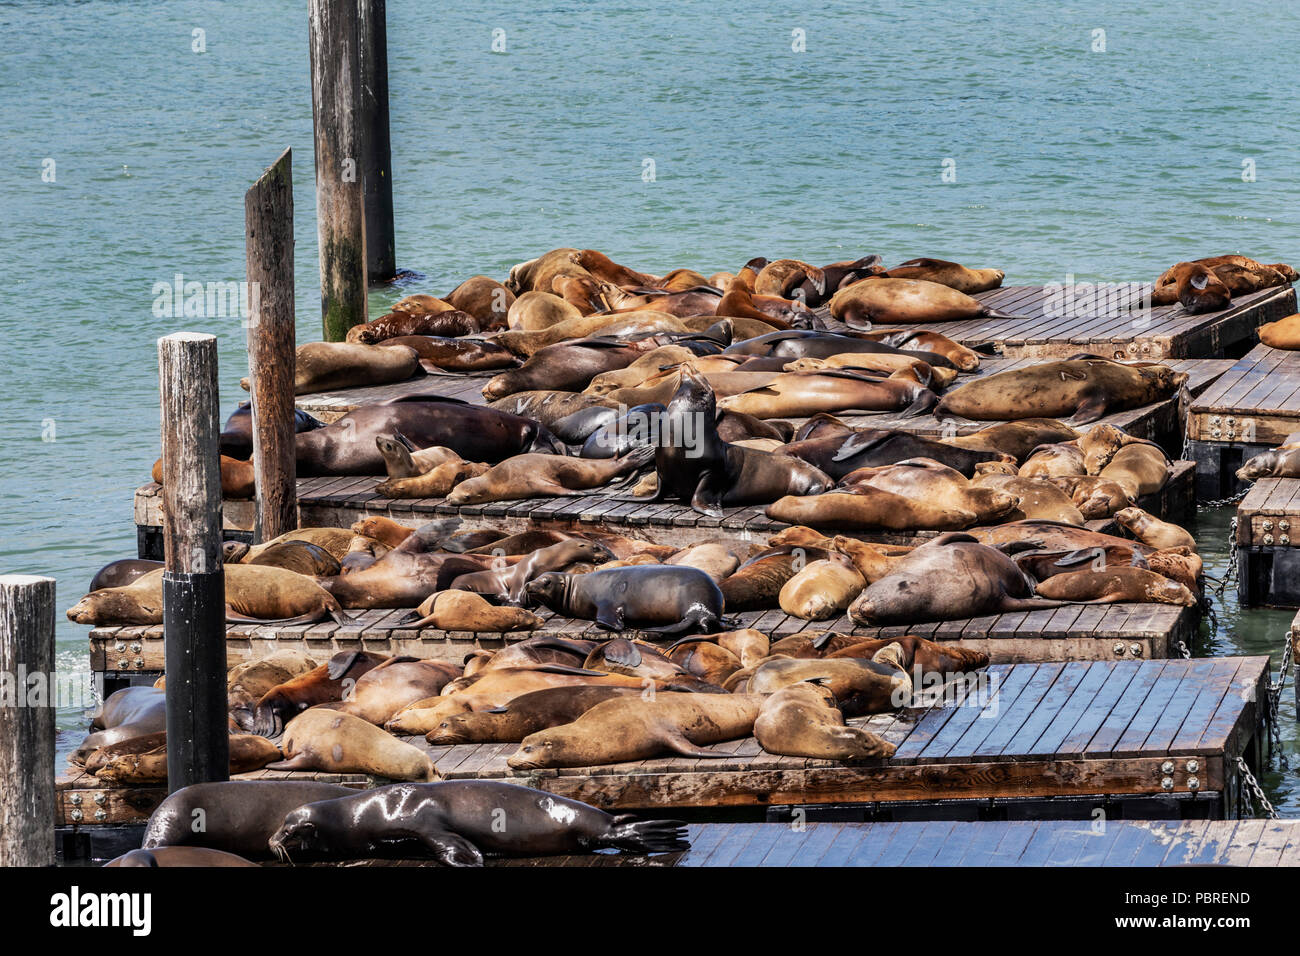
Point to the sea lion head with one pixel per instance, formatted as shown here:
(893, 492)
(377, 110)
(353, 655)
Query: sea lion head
(1131, 518)
(1164, 378)
(115, 606)
(450, 731)
(299, 834)
(1261, 466)
(556, 747)
(547, 589)
(233, 552)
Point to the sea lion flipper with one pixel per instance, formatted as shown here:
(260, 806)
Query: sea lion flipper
(451, 849)
(340, 664)
(859, 441)
(301, 761)
(675, 740)
(609, 616)
(707, 498)
(1090, 409)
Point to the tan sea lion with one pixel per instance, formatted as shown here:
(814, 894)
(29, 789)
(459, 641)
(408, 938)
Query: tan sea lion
(437, 482)
(322, 684)
(249, 682)
(422, 302)
(537, 475)
(1280, 462)
(1151, 531)
(248, 752)
(384, 530)
(401, 461)
(1140, 469)
(1094, 496)
(1181, 564)
(334, 742)
(869, 508)
(237, 481)
(705, 658)
(1054, 461)
(791, 279)
(484, 298)
(337, 541)
(636, 728)
(1038, 498)
(897, 301)
(526, 714)
(1086, 389)
(467, 611)
(1282, 334)
(302, 557)
(384, 690)
(650, 364)
(924, 479)
(821, 590)
(801, 720)
(440, 353)
(951, 274)
(1017, 439)
(715, 559)
(875, 686)
(524, 342)
(799, 394)
(324, 366)
(963, 358)
(1116, 584)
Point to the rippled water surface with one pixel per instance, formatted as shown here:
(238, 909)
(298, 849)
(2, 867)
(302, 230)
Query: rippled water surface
(1097, 164)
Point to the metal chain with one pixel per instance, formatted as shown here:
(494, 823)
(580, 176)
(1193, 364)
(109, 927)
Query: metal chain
(1275, 701)
(1229, 576)
(1251, 788)
(1224, 502)
(1181, 646)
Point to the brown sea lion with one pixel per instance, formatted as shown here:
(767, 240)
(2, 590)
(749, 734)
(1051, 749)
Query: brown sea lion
(963, 358)
(837, 455)
(935, 483)
(334, 742)
(115, 574)
(1017, 439)
(178, 856)
(705, 658)
(878, 364)
(524, 342)
(385, 530)
(249, 682)
(791, 279)
(422, 302)
(1099, 445)
(948, 578)
(1060, 460)
(1282, 334)
(1095, 497)
(799, 394)
(337, 541)
(1052, 535)
(136, 765)
(1180, 564)
(1114, 585)
(801, 720)
(449, 324)
(1153, 532)
(536, 476)
(897, 301)
(443, 354)
(317, 686)
(1038, 498)
(640, 659)
(1280, 462)
(951, 274)
(867, 508)
(1140, 469)
(565, 366)
(437, 482)
(1086, 389)
(715, 559)
(636, 728)
(526, 714)
(484, 298)
(821, 590)
(384, 690)
(300, 556)
(648, 364)
(874, 686)
(324, 366)
(467, 611)
(756, 584)
(506, 585)
(237, 481)
(401, 461)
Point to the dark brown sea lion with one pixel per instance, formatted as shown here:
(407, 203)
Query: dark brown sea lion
(336, 541)
(236, 439)
(637, 728)
(951, 274)
(506, 585)
(457, 822)
(736, 426)
(1084, 389)
(1280, 462)
(773, 311)
(568, 366)
(1052, 535)
(1195, 287)
(792, 279)
(662, 598)
(237, 481)
(239, 816)
(450, 323)
(440, 353)
(117, 574)
(860, 686)
(300, 556)
(705, 659)
(802, 720)
(946, 579)
(756, 584)
(347, 446)
(179, 856)
(803, 343)
(318, 686)
(839, 455)
(384, 690)
(965, 359)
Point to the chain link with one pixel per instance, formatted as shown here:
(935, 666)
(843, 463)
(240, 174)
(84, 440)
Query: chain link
(1250, 788)
(1275, 702)
(1229, 576)
(1224, 502)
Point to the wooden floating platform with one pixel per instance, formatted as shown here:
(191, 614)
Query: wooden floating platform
(1074, 632)
(1252, 407)
(340, 502)
(1268, 529)
(1031, 732)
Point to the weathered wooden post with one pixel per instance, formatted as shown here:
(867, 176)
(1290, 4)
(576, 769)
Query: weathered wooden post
(268, 238)
(376, 147)
(335, 37)
(194, 590)
(27, 720)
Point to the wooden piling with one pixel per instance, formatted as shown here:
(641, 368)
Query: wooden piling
(194, 599)
(335, 36)
(268, 221)
(27, 720)
(376, 147)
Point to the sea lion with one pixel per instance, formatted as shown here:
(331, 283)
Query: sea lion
(838, 455)
(1140, 469)
(799, 394)
(239, 816)
(319, 685)
(249, 682)
(145, 762)
(253, 592)
(457, 822)
(756, 584)
(1061, 460)
(420, 303)
(1182, 564)
(506, 585)
(790, 279)
(236, 440)
(237, 480)
(449, 323)
(565, 366)
(638, 427)
(526, 714)
(439, 353)
(868, 509)
(438, 482)
(402, 461)
(1282, 334)
(883, 365)
(1095, 497)
(335, 742)
(1086, 389)
(898, 301)
(948, 578)
(1038, 498)
(336, 541)
(384, 690)
(623, 325)
(1051, 535)
(805, 343)
(1115, 584)
(497, 686)
(537, 476)
(641, 659)
(348, 447)
(484, 298)
(1017, 439)
(120, 573)
(704, 658)
(384, 530)
(1280, 462)
(860, 686)
(933, 482)
(821, 590)
(646, 365)
(801, 720)
(660, 598)
(302, 557)
(129, 705)
(178, 856)
(324, 366)
(637, 728)
(715, 559)
(467, 611)
(951, 274)
(1153, 532)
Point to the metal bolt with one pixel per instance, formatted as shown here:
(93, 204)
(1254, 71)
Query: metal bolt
(1193, 766)
(1268, 525)
(1118, 649)
(101, 816)
(139, 662)
(75, 799)
(119, 647)
(1167, 783)
(1214, 433)
(1214, 420)
(1284, 540)
(1135, 649)
(122, 663)
(1167, 767)
(1268, 539)
(75, 816)
(1284, 526)
(136, 648)
(1193, 783)
(1230, 421)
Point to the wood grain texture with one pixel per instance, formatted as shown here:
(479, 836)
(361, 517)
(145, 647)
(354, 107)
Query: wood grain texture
(376, 149)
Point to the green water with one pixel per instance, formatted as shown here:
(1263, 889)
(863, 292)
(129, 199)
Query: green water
(1102, 165)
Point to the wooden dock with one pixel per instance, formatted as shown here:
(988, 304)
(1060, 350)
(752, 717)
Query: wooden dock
(340, 502)
(1268, 532)
(1076, 632)
(1252, 407)
(1098, 730)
